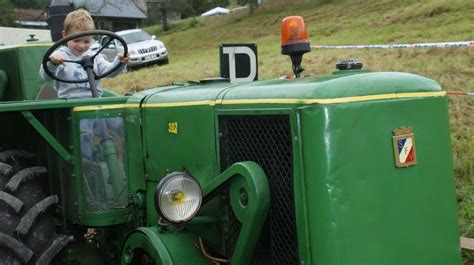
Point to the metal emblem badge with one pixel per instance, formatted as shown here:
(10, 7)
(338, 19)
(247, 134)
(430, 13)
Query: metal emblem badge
(404, 147)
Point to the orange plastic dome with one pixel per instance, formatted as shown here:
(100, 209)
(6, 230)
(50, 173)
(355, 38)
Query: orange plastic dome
(293, 30)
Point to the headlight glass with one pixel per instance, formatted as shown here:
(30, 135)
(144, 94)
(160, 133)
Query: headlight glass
(160, 44)
(178, 197)
(133, 52)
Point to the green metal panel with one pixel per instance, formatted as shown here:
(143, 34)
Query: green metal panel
(173, 248)
(190, 147)
(29, 61)
(364, 210)
(135, 152)
(186, 93)
(3, 84)
(9, 64)
(191, 144)
(337, 86)
(60, 103)
(21, 63)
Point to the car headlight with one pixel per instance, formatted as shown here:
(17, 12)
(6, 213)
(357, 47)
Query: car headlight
(160, 44)
(178, 197)
(133, 52)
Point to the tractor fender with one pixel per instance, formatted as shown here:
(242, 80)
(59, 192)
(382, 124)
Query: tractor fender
(169, 248)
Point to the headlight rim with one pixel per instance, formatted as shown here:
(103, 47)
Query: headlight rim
(165, 180)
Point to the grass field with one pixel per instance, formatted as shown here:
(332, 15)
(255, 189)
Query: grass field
(193, 46)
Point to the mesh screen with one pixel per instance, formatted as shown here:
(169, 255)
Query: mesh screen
(267, 141)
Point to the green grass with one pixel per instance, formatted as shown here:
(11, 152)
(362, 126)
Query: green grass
(194, 55)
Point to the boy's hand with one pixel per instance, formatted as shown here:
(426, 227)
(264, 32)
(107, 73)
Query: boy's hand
(56, 59)
(124, 59)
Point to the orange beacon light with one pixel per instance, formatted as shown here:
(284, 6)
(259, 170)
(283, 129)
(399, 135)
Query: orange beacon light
(294, 41)
(293, 31)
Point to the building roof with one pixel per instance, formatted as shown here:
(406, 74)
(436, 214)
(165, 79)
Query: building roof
(32, 24)
(30, 14)
(116, 8)
(14, 36)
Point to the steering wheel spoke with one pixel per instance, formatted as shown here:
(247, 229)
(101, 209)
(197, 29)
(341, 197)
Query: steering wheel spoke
(102, 48)
(72, 61)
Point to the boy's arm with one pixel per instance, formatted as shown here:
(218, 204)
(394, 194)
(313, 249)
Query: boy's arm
(55, 64)
(104, 66)
(52, 68)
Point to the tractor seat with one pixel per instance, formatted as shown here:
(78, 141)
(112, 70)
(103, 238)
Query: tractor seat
(47, 91)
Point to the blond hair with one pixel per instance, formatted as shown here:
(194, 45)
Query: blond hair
(79, 20)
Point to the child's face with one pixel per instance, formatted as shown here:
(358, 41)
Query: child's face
(79, 45)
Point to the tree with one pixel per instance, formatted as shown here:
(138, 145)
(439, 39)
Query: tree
(161, 9)
(6, 9)
(253, 4)
(30, 4)
(165, 7)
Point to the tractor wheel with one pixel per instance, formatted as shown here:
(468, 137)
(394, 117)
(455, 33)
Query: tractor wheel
(27, 229)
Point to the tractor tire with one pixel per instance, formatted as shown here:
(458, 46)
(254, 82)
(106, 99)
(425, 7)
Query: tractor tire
(27, 229)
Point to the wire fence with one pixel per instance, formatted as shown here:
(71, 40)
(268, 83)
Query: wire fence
(458, 44)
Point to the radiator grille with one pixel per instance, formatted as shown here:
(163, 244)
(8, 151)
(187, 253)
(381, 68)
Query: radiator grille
(147, 50)
(267, 141)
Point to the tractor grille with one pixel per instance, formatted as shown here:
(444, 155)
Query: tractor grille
(267, 141)
(147, 50)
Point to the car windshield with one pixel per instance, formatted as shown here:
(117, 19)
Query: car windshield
(136, 37)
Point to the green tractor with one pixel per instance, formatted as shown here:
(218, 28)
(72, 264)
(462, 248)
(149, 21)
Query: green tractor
(314, 170)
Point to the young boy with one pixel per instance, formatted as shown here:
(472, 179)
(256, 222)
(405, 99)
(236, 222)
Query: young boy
(75, 22)
(90, 128)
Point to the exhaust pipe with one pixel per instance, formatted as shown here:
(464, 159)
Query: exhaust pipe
(57, 11)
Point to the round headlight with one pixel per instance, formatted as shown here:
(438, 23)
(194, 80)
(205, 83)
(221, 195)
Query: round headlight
(178, 197)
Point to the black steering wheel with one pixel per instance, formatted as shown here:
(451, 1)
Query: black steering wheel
(87, 62)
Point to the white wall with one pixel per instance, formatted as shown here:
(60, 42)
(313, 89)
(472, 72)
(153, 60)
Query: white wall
(13, 36)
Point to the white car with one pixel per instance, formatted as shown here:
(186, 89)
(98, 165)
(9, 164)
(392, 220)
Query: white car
(143, 48)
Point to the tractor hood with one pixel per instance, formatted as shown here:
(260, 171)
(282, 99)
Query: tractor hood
(340, 187)
(338, 88)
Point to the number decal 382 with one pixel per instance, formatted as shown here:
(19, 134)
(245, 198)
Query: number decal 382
(173, 127)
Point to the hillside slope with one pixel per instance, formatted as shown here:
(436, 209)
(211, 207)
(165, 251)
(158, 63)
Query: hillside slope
(338, 23)
(193, 47)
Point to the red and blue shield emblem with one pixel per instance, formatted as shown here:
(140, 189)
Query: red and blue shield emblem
(404, 147)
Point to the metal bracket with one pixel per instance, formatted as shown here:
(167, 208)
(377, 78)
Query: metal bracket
(47, 136)
(250, 177)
